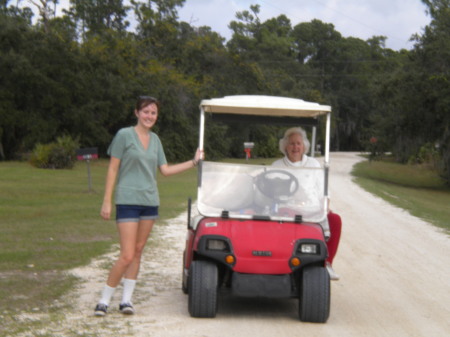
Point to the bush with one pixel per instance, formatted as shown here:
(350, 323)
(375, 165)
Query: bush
(57, 155)
(428, 154)
(40, 155)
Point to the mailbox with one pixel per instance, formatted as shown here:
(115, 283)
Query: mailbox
(87, 153)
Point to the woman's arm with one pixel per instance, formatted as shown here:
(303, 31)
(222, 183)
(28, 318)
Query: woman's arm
(111, 176)
(167, 170)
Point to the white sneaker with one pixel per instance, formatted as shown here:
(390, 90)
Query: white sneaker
(331, 272)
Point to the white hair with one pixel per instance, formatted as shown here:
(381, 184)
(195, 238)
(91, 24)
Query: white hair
(283, 143)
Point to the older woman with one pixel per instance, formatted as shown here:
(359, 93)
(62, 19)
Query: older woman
(294, 145)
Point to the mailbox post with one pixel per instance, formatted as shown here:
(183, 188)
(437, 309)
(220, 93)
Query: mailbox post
(87, 154)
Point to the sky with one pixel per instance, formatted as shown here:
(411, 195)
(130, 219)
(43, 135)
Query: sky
(398, 20)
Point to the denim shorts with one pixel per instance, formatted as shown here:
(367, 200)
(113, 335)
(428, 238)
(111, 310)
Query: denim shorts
(135, 213)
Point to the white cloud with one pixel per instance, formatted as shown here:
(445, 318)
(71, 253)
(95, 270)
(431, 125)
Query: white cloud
(395, 19)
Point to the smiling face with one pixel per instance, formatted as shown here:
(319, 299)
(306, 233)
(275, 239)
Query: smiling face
(295, 148)
(147, 116)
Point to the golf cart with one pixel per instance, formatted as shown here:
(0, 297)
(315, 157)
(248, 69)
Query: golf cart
(258, 230)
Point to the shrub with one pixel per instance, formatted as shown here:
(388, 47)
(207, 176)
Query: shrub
(57, 155)
(428, 154)
(40, 155)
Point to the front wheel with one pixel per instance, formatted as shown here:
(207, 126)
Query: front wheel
(184, 281)
(203, 288)
(314, 301)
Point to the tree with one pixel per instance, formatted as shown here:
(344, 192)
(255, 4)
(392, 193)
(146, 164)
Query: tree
(94, 17)
(413, 112)
(54, 82)
(25, 13)
(45, 11)
(342, 70)
(431, 56)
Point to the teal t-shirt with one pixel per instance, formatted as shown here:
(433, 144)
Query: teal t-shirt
(136, 182)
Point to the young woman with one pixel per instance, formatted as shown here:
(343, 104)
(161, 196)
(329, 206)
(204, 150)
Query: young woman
(136, 152)
(294, 145)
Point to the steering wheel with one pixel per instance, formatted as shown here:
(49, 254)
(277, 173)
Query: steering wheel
(277, 184)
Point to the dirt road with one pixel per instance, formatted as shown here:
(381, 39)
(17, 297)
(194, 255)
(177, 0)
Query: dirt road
(394, 268)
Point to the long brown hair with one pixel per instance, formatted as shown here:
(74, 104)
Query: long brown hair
(143, 101)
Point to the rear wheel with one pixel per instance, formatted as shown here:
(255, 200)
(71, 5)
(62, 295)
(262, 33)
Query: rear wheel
(202, 288)
(314, 301)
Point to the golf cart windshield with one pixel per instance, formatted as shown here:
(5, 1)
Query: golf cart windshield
(261, 192)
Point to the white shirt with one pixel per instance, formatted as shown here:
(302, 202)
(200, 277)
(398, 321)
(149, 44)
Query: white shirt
(305, 162)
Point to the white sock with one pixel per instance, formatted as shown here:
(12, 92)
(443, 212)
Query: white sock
(107, 294)
(128, 289)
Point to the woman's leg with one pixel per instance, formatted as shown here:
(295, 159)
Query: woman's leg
(143, 232)
(128, 233)
(133, 237)
(130, 276)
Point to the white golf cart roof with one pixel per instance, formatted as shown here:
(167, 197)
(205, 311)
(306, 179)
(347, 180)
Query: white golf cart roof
(264, 106)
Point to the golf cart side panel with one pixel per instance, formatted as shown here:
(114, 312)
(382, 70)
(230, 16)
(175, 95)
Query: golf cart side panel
(188, 251)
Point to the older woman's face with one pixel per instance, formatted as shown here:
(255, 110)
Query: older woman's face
(295, 148)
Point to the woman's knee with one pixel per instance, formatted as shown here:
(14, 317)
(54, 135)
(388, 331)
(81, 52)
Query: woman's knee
(127, 258)
(139, 250)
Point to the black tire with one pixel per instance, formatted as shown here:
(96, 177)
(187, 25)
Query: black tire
(184, 282)
(314, 301)
(202, 284)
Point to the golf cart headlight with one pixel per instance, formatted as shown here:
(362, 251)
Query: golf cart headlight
(214, 244)
(309, 248)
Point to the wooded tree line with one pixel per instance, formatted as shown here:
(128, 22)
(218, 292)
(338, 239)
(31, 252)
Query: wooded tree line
(79, 74)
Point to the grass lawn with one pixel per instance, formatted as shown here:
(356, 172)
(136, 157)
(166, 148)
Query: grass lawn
(50, 222)
(417, 189)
